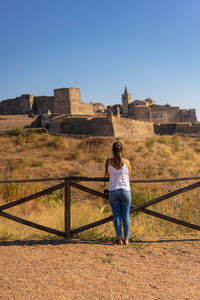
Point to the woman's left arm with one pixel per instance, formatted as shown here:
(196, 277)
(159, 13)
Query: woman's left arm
(129, 168)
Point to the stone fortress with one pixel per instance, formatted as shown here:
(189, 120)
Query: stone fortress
(64, 113)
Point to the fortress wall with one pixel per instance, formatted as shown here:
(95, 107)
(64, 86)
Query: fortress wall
(82, 126)
(61, 102)
(139, 113)
(42, 104)
(188, 115)
(173, 115)
(177, 128)
(16, 106)
(86, 109)
(127, 128)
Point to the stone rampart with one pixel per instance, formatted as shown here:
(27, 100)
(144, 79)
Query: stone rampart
(42, 105)
(98, 126)
(17, 106)
(177, 128)
(94, 126)
(127, 128)
(139, 113)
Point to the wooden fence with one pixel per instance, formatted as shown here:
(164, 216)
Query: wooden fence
(72, 182)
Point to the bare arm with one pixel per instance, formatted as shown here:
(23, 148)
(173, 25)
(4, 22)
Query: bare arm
(107, 165)
(129, 168)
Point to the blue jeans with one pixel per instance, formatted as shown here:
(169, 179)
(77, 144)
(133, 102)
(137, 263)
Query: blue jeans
(120, 201)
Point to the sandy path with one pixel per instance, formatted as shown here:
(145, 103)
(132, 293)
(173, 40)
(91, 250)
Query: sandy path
(84, 270)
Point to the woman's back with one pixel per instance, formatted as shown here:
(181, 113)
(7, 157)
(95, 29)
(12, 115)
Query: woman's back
(118, 176)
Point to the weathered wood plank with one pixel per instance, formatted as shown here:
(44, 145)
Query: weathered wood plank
(92, 225)
(31, 197)
(167, 196)
(146, 211)
(88, 190)
(99, 179)
(32, 224)
(170, 219)
(32, 180)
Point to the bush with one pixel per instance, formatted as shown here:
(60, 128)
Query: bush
(162, 140)
(56, 143)
(149, 143)
(16, 131)
(76, 154)
(139, 149)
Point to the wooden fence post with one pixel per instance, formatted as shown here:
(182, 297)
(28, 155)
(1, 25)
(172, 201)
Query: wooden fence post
(67, 209)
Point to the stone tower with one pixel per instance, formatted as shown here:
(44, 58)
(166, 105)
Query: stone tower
(68, 101)
(126, 100)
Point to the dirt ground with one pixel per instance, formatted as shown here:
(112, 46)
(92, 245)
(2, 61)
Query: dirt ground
(55, 269)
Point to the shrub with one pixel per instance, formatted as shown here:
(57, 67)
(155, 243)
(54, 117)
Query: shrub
(162, 140)
(31, 134)
(76, 154)
(53, 199)
(175, 144)
(149, 143)
(56, 143)
(20, 140)
(139, 149)
(16, 131)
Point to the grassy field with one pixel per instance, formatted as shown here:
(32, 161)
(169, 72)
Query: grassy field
(30, 155)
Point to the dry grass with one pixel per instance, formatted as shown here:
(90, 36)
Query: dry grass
(41, 155)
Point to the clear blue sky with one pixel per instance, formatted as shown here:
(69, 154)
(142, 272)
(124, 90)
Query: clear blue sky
(152, 46)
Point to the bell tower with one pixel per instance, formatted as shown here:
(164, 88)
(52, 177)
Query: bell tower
(126, 100)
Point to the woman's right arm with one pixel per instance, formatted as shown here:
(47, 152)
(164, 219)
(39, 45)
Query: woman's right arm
(107, 165)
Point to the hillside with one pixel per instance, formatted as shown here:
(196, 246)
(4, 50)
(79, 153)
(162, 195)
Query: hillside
(26, 154)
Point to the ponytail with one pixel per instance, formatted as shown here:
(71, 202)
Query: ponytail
(117, 148)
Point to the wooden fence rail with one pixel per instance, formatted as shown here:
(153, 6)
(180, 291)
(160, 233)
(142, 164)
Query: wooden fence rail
(71, 182)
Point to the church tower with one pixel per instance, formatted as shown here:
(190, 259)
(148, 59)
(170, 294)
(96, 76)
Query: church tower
(126, 100)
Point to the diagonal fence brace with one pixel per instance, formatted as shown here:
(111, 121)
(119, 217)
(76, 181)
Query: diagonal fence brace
(31, 197)
(141, 208)
(31, 224)
(166, 196)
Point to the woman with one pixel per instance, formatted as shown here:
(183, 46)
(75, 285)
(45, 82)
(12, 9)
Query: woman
(118, 170)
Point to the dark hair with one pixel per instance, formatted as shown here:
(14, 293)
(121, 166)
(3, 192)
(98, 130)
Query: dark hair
(117, 148)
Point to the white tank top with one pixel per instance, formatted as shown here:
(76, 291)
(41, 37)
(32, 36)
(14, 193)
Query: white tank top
(118, 179)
